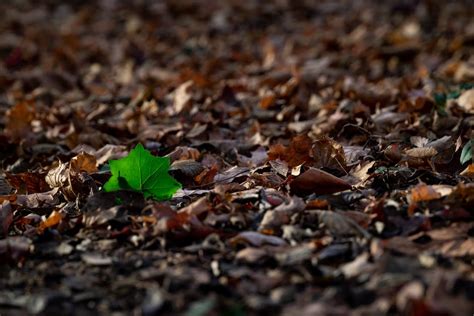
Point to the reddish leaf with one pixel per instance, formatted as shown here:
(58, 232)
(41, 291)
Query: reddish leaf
(319, 182)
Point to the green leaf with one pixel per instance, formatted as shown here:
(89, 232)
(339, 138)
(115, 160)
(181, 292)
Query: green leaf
(466, 153)
(142, 172)
(440, 103)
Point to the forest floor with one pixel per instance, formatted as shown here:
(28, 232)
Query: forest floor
(324, 151)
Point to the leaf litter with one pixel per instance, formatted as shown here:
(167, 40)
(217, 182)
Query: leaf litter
(236, 158)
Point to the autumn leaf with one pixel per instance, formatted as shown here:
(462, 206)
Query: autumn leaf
(142, 172)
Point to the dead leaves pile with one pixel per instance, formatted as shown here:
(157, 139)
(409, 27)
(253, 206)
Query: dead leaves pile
(322, 172)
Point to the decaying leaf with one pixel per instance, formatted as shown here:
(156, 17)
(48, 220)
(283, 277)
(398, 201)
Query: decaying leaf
(297, 153)
(327, 153)
(323, 149)
(466, 101)
(423, 192)
(281, 214)
(319, 182)
(340, 225)
(53, 219)
(425, 152)
(182, 96)
(73, 178)
(19, 119)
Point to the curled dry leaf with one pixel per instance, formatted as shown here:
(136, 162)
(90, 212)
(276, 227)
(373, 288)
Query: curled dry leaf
(182, 97)
(72, 178)
(318, 182)
(280, 167)
(53, 219)
(327, 153)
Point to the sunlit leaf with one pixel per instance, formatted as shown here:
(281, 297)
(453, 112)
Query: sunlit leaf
(142, 172)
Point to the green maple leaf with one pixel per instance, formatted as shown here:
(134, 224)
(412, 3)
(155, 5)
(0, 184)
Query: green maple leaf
(142, 172)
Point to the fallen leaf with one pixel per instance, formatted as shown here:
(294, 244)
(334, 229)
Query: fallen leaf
(318, 182)
(28, 182)
(297, 153)
(281, 214)
(469, 171)
(19, 118)
(256, 239)
(142, 172)
(423, 192)
(84, 162)
(182, 97)
(327, 153)
(6, 218)
(466, 101)
(425, 152)
(53, 219)
(341, 225)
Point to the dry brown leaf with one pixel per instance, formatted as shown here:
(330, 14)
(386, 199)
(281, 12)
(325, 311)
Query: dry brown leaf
(197, 208)
(469, 171)
(425, 152)
(53, 220)
(72, 178)
(182, 96)
(361, 171)
(28, 182)
(188, 168)
(423, 192)
(280, 167)
(297, 153)
(19, 118)
(319, 182)
(281, 214)
(466, 101)
(84, 162)
(184, 153)
(327, 153)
